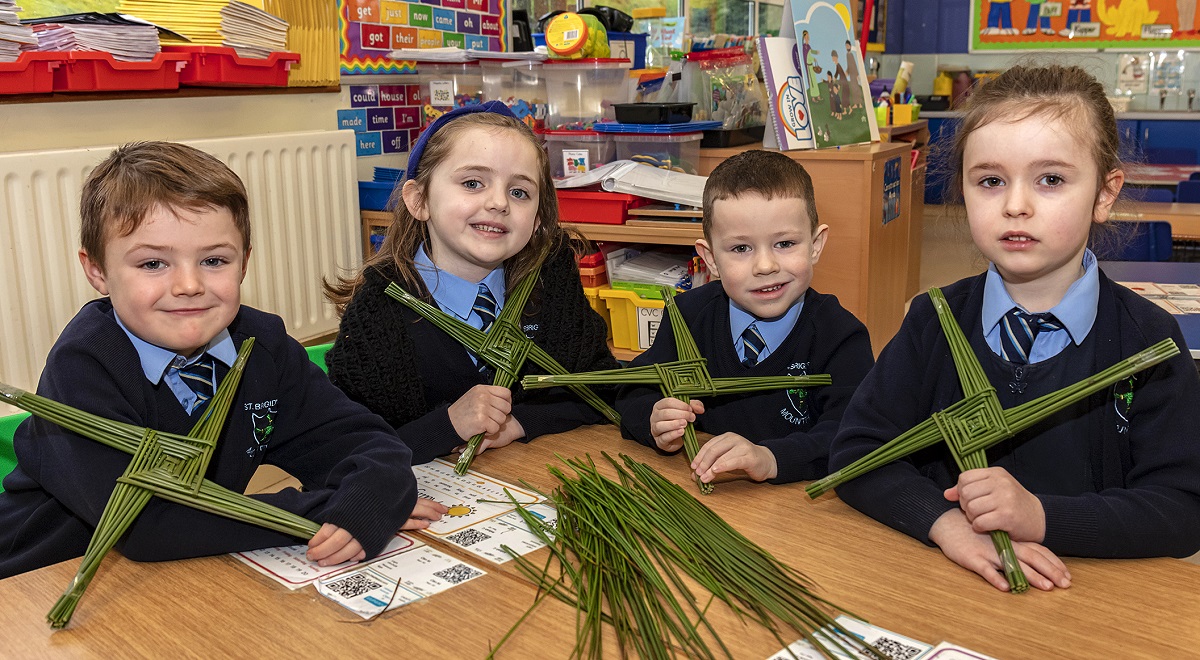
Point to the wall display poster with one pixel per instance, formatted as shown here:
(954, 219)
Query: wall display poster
(1133, 73)
(1083, 24)
(370, 29)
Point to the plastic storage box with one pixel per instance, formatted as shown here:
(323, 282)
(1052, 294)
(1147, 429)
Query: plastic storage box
(601, 208)
(520, 85)
(88, 71)
(220, 66)
(374, 195)
(592, 293)
(593, 275)
(448, 85)
(582, 92)
(654, 113)
(634, 320)
(32, 73)
(575, 152)
(679, 152)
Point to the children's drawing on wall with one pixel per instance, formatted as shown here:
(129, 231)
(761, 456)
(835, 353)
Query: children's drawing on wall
(1087, 24)
(833, 70)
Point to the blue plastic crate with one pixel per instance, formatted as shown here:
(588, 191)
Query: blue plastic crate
(373, 195)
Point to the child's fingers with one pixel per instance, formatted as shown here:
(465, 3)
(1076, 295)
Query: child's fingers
(322, 534)
(429, 509)
(1039, 563)
(352, 551)
(697, 406)
(334, 540)
(416, 523)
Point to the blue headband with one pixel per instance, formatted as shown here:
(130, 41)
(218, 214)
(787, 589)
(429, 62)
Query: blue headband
(418, 149)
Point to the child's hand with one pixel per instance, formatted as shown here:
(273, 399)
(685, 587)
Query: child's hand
(424, 514)
(334, 545)
(731, 452)
(976, 552)
(510, 430)
(992, 499)
(668, 419)
(483, 409)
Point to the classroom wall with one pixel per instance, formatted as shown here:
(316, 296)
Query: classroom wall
(83, 123)
(930, 33)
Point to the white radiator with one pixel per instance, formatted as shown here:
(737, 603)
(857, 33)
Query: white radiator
(303, 215)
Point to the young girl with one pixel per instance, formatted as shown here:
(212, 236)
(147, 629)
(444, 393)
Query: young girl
(478, 213)
(1116, 475)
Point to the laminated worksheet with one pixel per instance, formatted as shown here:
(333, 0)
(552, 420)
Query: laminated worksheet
(891, 644)
(288, 566)
(389, 583)
(481, 516)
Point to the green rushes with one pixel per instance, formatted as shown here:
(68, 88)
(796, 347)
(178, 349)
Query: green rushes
(623, 552)
(504, 347)
(168, 465)
(684, 379)
(977, 422)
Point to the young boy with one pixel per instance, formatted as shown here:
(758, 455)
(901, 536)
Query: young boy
(762, 238)
(166, 236)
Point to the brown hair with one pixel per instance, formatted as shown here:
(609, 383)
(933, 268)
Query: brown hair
(1051, 92)
(767, 173)
(405, 234)
(121, 191)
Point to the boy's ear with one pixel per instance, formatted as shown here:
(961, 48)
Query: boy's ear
(1108, 195)
(414, 200)
(246, 262)
(818, 242)
(706, 253)
(94, 272)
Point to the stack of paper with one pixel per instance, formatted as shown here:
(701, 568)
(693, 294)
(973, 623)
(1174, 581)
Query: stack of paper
(1175, 298)
(14, 37)
(245, 27)
(313, 32)
(626, 176)
(126, 42)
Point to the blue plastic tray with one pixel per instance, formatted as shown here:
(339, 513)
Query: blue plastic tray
(657, 129)
(373, 195)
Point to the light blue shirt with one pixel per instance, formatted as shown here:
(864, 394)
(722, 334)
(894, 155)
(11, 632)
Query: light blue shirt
(1076, 312)
(157, 362)
(773, 331)
(456, 296)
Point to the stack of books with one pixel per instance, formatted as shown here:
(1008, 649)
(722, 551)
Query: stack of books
(126, 38)
(14, 37)
(248, 29)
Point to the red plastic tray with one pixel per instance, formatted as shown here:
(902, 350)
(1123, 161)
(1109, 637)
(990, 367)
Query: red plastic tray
(220, 66)
(32, 73)
(87, 71)
(603, 208)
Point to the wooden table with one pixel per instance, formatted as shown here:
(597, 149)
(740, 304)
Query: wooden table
(1184, 218)
(1128, 609)
(1163, 272)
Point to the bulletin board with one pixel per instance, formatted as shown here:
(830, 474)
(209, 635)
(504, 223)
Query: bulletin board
(370, 29)
(1083, 24)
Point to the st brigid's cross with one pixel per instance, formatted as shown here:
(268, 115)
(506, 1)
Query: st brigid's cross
(168, 465)
(977, 422)
(682, 379)
(504, 347)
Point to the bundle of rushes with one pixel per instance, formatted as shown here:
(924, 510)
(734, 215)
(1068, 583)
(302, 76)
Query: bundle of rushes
(621, 550)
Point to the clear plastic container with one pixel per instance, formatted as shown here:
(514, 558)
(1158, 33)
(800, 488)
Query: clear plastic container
(448, 85)
(679, 152)
(649, 20)
(581, 92)
(574, 152)
(520, 85)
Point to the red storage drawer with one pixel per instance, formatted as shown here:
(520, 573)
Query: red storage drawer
(88, 71)
(220, 66)
(32, 73)
(604, 208)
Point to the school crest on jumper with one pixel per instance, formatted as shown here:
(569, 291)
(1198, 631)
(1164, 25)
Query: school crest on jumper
(797, 410)
(262, 424)
(1123, 402)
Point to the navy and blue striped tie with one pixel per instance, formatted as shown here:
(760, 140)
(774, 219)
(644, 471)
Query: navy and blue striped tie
(485, 307)
(752, 345)
(1018, 329)
(199, 377)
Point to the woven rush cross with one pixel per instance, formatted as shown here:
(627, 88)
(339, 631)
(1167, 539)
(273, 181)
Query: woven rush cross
(168, 465)
(683, 379)
(504, 347)
(977, 422)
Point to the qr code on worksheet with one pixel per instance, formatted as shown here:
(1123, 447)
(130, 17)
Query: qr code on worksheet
(892, 649)
(458, 573)
(353, 586)
(468, 537)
